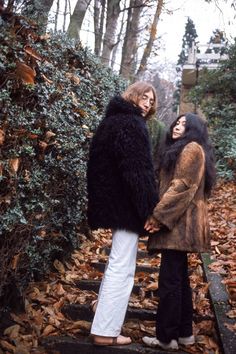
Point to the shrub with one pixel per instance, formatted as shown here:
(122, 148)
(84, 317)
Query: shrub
(215, 93)
(53, 93)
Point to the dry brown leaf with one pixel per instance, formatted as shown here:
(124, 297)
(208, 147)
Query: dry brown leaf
(45, 36)
(32, 52)
(15, 261)
(20, 319)
(82, 325)
(150, 330)
(59, 266)
(73, 78)
(48, 330)
(152, 286)
(43, 145)
(2, 137)
(12, 331)
(231, 327)
(38, 319)
(231, 313)
(25, 73)
(60, 290)
(46, 79)
(49, 310)
(21, 349)
(6, 345)
(32, 136)
(49, 134)
(14, 164)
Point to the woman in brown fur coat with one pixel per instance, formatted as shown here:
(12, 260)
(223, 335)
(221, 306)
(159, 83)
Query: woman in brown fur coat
(180, 223)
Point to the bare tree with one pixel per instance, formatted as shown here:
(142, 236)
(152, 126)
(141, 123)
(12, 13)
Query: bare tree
(153, 31)
(113, 11)
(56, 15)
(64, 16)
(129, 48)
(99, 17)
(77, 18)
(119, 38)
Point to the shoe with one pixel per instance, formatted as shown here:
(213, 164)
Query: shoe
(186, 340)
(154, 342)
(111, 341)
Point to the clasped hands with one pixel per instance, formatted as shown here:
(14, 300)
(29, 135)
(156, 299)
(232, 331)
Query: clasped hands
(152, 225)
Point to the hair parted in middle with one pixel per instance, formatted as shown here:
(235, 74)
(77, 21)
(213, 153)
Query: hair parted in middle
(135, 92)
(195, 130)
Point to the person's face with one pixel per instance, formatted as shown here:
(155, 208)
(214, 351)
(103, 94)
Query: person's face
(146, 102)
(179, 128)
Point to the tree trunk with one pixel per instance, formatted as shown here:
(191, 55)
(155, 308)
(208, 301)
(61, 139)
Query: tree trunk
(56, 15)
(114, 52)
(99, 15)
(77, 18)
(38, 11)
(129, 48)
(64, 16)
(153, 31)
(113, 11)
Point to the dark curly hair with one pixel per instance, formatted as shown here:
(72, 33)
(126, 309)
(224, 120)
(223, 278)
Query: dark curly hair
(195, 130)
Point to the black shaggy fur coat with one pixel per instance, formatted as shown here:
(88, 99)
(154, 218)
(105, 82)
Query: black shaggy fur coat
(120, 175)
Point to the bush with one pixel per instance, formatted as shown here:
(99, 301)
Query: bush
(53, 93)
(215, 93)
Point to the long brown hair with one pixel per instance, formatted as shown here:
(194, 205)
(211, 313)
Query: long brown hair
(136, 91)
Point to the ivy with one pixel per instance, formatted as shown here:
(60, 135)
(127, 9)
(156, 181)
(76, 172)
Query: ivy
(53, 94)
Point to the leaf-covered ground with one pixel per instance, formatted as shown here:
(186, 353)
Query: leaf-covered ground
(45, 300)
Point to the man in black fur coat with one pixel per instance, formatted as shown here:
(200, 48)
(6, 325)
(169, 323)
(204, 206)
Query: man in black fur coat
(121, 196)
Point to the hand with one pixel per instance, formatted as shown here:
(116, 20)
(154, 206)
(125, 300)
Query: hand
(152, 225)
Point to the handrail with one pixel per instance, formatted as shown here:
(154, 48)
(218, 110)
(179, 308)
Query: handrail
(195, 56)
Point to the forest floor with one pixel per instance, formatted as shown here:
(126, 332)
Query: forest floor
(45, 300)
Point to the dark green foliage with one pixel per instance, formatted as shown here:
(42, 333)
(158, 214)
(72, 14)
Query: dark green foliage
(188, 40)
(216, 94)
(157, 132)
(46, 124)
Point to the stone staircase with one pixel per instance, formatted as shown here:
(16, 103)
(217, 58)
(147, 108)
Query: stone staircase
(77, 312)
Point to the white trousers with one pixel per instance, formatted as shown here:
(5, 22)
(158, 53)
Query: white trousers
(116, 286)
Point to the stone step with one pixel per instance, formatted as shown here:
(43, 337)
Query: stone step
(100, 266)
(83, 312)
(141, 254)
(69, 345)
(93, 285)
(220, 303)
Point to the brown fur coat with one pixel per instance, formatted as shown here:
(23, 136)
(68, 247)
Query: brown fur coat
(182, 208)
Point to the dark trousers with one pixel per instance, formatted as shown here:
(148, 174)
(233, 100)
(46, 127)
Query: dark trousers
(175, 309)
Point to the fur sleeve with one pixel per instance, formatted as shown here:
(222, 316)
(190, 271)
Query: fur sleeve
(187, 178)
(135, 166)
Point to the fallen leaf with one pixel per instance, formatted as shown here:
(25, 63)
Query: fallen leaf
(25, 73)
(32, 52)
(12, 331)
(6, 345)
(48, 330)
(46, 79)
(2, 137)
(73, 78)
(14, 164)
(59, 266)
